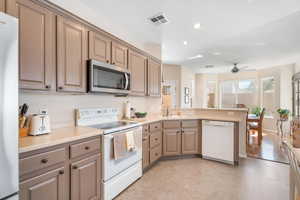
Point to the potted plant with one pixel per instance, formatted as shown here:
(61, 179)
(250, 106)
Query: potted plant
(256, 111)
(283, 113)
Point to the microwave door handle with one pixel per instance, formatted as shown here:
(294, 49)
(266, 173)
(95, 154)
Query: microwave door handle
(127, 81)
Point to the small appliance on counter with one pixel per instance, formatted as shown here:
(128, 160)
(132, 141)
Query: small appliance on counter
(40, 124)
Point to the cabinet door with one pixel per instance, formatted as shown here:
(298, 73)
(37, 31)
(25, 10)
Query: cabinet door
(2, 5)
(48, 186)
(99, 47)
(71, 56)
(37, 46)
(138, 68)
(86, 178)
(146, 152)
(171, 142)
(190, 141)
(119, 55)
(154, 78)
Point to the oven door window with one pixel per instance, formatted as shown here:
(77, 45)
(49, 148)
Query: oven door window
(107, 78)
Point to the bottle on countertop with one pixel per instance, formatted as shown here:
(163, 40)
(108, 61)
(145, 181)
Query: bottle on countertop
(127, 113)
(132, 112)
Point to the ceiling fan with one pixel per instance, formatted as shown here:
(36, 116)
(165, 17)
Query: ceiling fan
(236, 69)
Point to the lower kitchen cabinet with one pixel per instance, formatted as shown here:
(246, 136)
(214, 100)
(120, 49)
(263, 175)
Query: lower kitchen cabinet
(48, 186)
(86, 179)
(171, 142)
(190, 141)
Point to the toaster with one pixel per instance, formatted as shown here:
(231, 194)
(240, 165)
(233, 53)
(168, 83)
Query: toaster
(40, 124)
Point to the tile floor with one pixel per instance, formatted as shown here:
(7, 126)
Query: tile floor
(198, 179)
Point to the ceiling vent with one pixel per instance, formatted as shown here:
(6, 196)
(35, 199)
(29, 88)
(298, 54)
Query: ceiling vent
(159, 19)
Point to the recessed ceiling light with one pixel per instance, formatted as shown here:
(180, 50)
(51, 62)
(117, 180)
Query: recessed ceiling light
(197, 26)
(195, 57)
(217, 53)
(185, 42)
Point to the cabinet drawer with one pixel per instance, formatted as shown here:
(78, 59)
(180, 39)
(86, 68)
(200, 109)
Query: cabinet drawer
(155, 126)
(172, 124)
(190, 123)
(146, 130)
(84, 147)
(155, 153)
(42, 160)
(155, 139)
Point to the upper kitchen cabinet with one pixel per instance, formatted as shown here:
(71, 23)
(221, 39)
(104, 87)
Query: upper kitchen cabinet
(2, 5)
(72, 48)
(154, 78)
(138, 67)
(119, 54)
(37, 45)
(99, 47)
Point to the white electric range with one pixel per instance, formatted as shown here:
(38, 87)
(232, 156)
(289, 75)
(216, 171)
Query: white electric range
(117, 174)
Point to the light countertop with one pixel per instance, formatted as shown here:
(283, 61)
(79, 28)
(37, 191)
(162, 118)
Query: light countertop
(70, 134)
(57, 136)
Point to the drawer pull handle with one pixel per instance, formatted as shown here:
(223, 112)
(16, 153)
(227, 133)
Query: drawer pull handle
(75, 167)
(61, 172)
(107, 61)
(144, 139)
(156, 139)
(178, 132)
(156, 154)
(48, 86)
(87, 148)
(155, 127)
(44, 161)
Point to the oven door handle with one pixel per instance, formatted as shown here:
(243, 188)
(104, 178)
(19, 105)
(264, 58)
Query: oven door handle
(127, 81)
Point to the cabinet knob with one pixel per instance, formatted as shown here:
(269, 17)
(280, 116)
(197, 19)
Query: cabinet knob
(60, 88)
(178, 132)
(48, 86)
(156, 154)
(156, 139)
(44, 161)
(87, 148)
(107, 61)
(144, 139)
(113, 63)
(61, 172)
(155, 127)
(75, 167)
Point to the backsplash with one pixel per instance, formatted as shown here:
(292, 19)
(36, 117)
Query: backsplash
(61, 106)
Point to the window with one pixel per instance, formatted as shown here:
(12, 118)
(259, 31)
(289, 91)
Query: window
(268, 95)
(210, 93)
(235, 92)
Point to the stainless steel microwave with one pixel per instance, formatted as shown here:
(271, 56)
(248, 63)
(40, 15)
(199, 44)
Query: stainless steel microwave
(107, 78)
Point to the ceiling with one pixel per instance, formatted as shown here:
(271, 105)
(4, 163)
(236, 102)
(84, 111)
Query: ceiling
(254, 33)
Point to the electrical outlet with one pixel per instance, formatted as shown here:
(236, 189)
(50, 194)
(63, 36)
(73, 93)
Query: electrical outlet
(43, 111)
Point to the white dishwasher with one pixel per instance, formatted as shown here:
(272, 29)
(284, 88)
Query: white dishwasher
(218, 141)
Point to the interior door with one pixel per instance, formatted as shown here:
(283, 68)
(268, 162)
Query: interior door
(48, 186)
(171, 142)
(138, 68)
(71, 56)
(86, 178)
(37, 46)
(190, 141)
(99, 47)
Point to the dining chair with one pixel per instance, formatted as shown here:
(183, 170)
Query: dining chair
(257, 125)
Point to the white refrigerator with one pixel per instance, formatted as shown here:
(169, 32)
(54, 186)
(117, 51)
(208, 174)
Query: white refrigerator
(9, 170)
